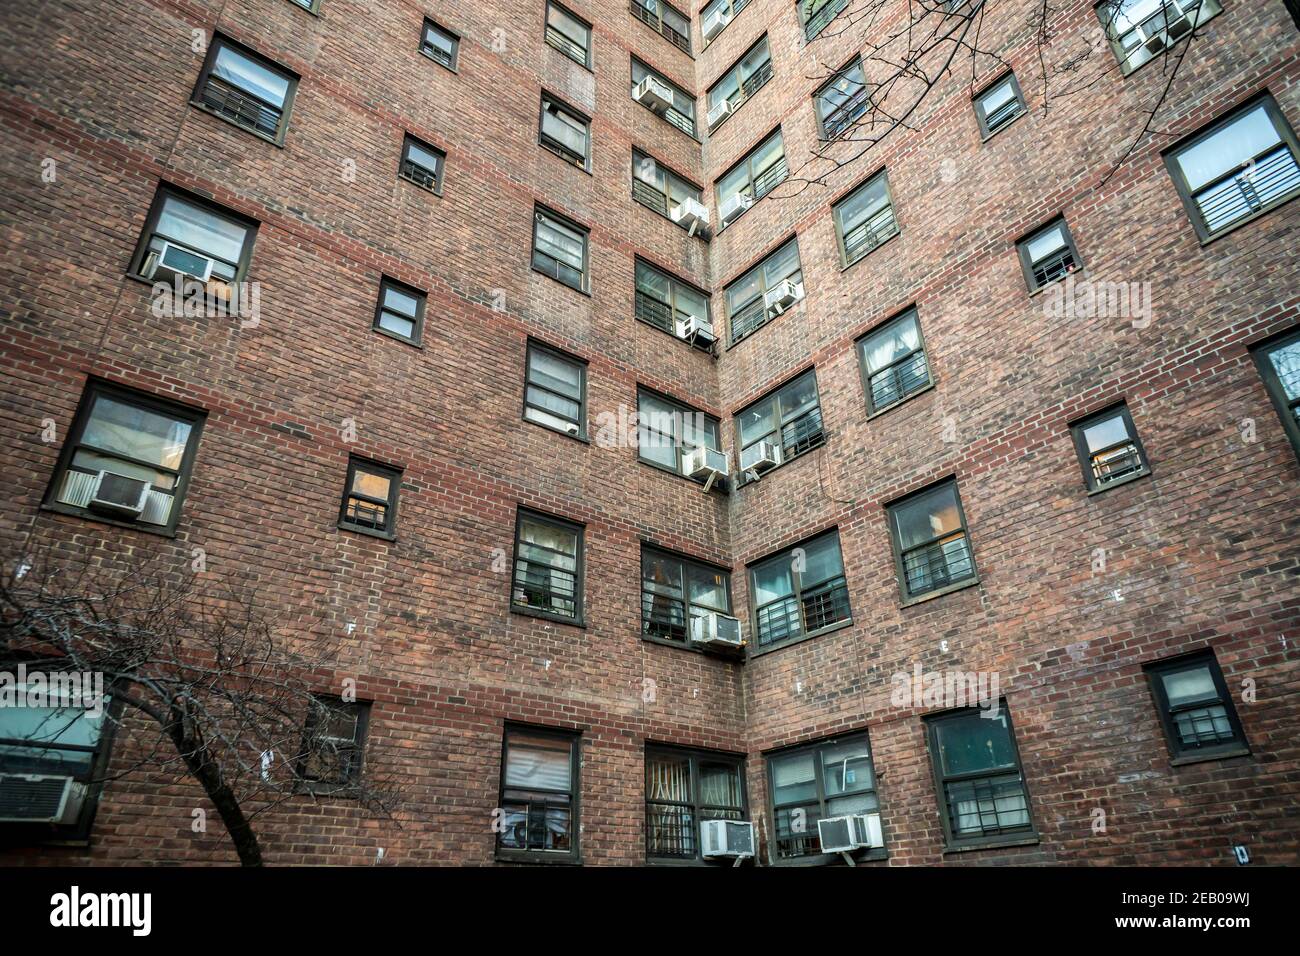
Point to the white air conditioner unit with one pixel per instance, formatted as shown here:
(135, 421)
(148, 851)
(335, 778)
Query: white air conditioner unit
(1179, 23)
(705, 462)
(734, 206)
(718, 112)
(845, 834)
(762, 454)
(1155, 42)
(177, 260)
(727, 838)
(654, 93)
(717, 629)
(119, 496)
(715, 21)
(37, 798)
(690, 213)
(695, 330)
(784, 295)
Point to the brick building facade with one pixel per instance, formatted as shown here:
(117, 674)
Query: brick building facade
(1068, 584)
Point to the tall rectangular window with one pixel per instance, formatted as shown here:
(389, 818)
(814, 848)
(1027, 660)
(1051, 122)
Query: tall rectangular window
(780, 426)
(555, 390)
(245, 88)
(842, 100)
(333, 745)
(931, 547)
(422, 164)
(662, 97)
(129, 457)
(1196, 708)
(738, 84)
(831, 778)
(1110, 451)
(765, 291)
(799, 592)
(894, 366)
(752, 178)
(568, 34)
(440, 45)
(400, 312)
(816, 14)
(659, 188)
(864, 219)
(684, 788)
(668, 303)
(370, 498)
(666, 20)
(1048, 254)
(566, 132)
(539, 794)
(668, 431)
(1278, 361)
(676, 590)
(1139, 30)
(548, 568)
(999, 104)
(560, 248)
(1241, 167)
(982, 793)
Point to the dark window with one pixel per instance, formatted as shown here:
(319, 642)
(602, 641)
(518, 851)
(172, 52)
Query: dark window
(673, 25)
(560, 248)
(715, 16)
(662, 97)
(761, 171)
(1109, 450)
(1279, 365)
(831, 778)
(565, 132)
(893, 361)
(555, 390)
(539, 795)
(659, 188)
(815, 14)
(333, 744)
(548, 567)
(1195, 707)
(245, 88)
(842, 100)
(676, 591)
(440, 45)
(1241, 167)
(998, 105)
(400, 312)
(684, 788)
(312, 5)
(742, 81)
(864, 219)
(1048, 254)
(370, 498)
(128, 458)
(982, 794)
(672, 305)
(931, 548)
(568, 34)
(668, 431)
(781, 425)
(1139, 30)
(422, 164)
(765, 291)
(799, 591)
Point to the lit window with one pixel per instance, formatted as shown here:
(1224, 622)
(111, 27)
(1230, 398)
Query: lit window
(370, 498)
(931, 548)
(1109, 449)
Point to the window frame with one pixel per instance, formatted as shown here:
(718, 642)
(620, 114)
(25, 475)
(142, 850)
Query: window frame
(1077, 428)
(551, 144)
(900, 568)
(760, 268)
(421, 298)
(682, 183)
(648, 70)
(695, 756)
(1290, 418)
(981, 114)
(911, 312)
(755, 647)
(682, 409)
(1112, 40)
(165, 191)
(439, 174)
(783, 418)
(818, 93)
(687, 563)
(436, 27)
(311, 6)
(588, 62)
(837, 218)
(394, 475)
(193, 416)
(348, 787)
(741, 96)
(574, 739)
(807, 22)
(752, 178)
(734, 7)
(220, 40)
(541, 212)
(663, 29)
(674, 282)
(536, 344)
(1027, 265)
(1179, 754)
(579, 529)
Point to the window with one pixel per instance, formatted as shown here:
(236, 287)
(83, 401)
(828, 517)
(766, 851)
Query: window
(548, 568)
(1047, 255)
(560, 248)
(864, 219)
(676, 591)
(422, 164)
(831, 778)
(780, 426)
(982, 794)
(931, 549)
(189, 239)
(894, 366)
(682, 789)
(249, 90)
(765, 291)
(370, 498)
(128, 458)
(799, 592)
(566, 132)
(716, 15)
(738, 84)
(1140, 30)
(670, 23)
(1109, 449)
(670, 304)
(1196, 709)
(568, 34)
(400, 312)
(1241, 167)
(815, 14)
(842, 100)
(539, 795)
(752, 178)
(998, 105)
(440, 45)
(310, 5)
(668, 431)
(334, 741)
(658, 187)
(1279, 365)
(664, 98)
(555, 390)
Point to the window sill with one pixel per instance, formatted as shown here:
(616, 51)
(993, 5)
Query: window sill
(789, 461)
(536, 858)
(397, 338)
(547, 616)
(575, 288)
(1276, 204)
(720, 485)
(985, 137)
(902, 401)
(435, 190)
(1079, 273)
(368, 532)
(104, 519)
(676, 338)
(941, 592)
(276, 141)
(1207, 758)
(756, 651)
(692, 136)
(449, 69)
(555, 431)
(898, 231)
(585, 166)
(722, 653)
(1031, 839)
(1144, 473)
(874, 855)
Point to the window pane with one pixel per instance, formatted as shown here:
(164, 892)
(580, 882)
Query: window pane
(1045, 243)
(767, 154)
(975, 743)
(1189, 686)
(371, 485)
(719, 785)
(250, 76)
(559, 242)
(668, 778)
(200, 229)
(537, 763)
(929, 516)
(1107, 433)
(1286, 362)
(821, 561)
(794, 778)
(539, 538)
(798, 396)
(136, 432)
(399, 301)
(708, 588)
(891, 343)
(773, 581)
(1229, 148)
(999, 96)
(690, 303)
(846, 768)
(556, 374)
(781, 264)
(569, 26)
(757, 421)
(863, 204)
(421, 157)
(840, 90)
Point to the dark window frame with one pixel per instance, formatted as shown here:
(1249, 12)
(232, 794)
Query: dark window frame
(753, 177)
(734, 7)
(421, 298)
(574, 739)
(220, 40)
(981, 115)
(900, 567)
(166, 190)
(815, 24)
(696, 806)
(351, 783)
(755, 647)
(742, 95)
(684, 410)
(759, 266)
(541, 212)
(654, 19)
(553, 145)
(682, 182)
(311, 6)
(1179, 753)
(394, 475)
(1027, 265)
(855, 61)
(579, 573)
(409, 140)
(783, 418)
(436, 27)
(687, 563)
(1077, 427)
(673, 282)
(1287, 410)
(694, 131)
(838, 220)
(588, 61)
(536, 344)
(905, 396)
(1112, 40)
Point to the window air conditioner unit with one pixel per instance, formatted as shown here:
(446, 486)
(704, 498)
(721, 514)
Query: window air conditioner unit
(177, 260)
(782, 297)
(1155, 42)
(727, 838)
(119, 496)
(654, 93)
(695, 330)
(845, 834)
(35, 798)
(763, 454)
(705, 462)
(690, 213)
(718, 112)
(734, 206)
(718, 629)
(1179, 22)
(715, 21)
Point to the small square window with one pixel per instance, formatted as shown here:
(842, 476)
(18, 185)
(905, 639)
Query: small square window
(560, 248)
(333, 744)
(422, 164)
(893, 362)
(1196, 709)
(555, 390)
(798, 592)
(932, 549)
(865, 219)
(370, 498)
(566, 132)
(246, 89)
(1109, 449)
(568, 34)
(539, 795)
(440, 45)
(998, 105)
(548, 568)
(1140, 30)
(1278, 361)
(683, 788)
(400, 312)
(1048, 255)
